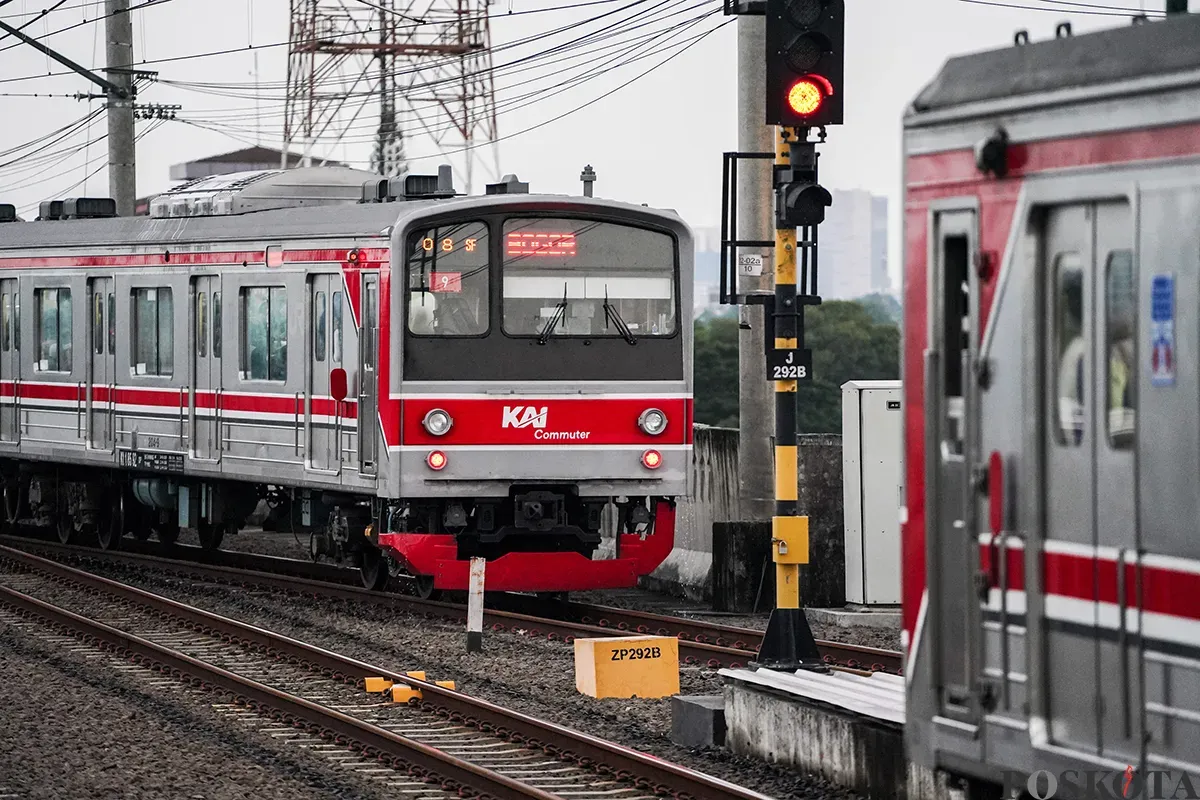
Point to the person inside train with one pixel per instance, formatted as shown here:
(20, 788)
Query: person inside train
(1071, 373)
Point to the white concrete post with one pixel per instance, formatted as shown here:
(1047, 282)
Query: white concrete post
(475, 606)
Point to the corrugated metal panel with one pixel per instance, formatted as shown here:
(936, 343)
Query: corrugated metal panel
(879, 696)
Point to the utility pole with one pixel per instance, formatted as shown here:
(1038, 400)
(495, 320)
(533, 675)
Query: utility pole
(122, 159)
(119, 93)
(756, 408)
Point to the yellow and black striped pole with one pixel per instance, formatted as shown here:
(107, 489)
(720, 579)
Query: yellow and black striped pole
(788, 642)
(789, 532)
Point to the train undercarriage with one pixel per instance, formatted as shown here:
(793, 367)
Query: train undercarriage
(541, 538)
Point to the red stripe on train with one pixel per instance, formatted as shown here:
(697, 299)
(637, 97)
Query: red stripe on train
(1172, 592)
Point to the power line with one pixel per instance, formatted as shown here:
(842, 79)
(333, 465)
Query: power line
(1094, 13)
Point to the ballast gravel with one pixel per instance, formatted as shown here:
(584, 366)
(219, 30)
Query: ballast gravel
(523, 673)
(74, 725)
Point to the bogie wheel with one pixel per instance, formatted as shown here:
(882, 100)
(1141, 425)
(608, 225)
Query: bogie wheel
(372, 568)
(14, 501)
(423, 588)
(111, 528)
(64, 526)
(211, 535)
(167, 532)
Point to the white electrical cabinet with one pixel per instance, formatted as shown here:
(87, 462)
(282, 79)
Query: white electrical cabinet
(872, 486)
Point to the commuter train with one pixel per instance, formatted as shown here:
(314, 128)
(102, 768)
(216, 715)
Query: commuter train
(1051, 527)
(410, 376)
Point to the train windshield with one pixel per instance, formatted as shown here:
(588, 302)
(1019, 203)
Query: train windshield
(564, 277)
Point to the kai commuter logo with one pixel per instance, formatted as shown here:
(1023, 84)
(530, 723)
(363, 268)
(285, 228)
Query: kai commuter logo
(524, 417)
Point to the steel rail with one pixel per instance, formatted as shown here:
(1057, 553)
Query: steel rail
(376, 742)
(706, 643)
(601, 755)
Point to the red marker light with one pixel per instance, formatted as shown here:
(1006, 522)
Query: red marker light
(805, 97)
(652, 459)
(436, 460)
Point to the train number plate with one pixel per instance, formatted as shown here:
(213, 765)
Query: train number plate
(158, 462)
(789, 365)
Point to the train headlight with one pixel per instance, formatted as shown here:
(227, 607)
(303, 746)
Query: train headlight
(653, 421)
(436, 460)
(438, 422)
(651, 459)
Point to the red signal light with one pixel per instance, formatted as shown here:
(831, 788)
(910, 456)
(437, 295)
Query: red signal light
(652, 459)
(805, 97)
(436, 460)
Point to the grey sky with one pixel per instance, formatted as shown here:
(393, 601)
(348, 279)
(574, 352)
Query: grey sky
(657, 141)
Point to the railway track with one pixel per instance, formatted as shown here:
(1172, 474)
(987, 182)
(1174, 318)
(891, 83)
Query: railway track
(446, 741)
(705, 643)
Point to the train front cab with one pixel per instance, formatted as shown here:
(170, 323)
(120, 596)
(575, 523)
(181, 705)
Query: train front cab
(1052, 616)
(544, 379)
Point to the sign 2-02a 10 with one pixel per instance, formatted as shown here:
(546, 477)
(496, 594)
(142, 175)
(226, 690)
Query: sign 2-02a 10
(789, 365)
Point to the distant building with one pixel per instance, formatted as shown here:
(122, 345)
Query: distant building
(246, 160)
(853, 246)
(249, 159)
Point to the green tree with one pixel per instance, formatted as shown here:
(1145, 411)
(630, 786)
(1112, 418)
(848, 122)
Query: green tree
(849, 342)
(715, 371)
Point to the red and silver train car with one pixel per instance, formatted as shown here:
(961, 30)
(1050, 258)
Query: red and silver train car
(1051, 532)
(410, 377)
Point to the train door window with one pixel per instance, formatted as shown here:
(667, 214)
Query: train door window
(319, 327)
(112, 323)
(957, 317)
(1120, 320)
(16, 320)
(336, 323)
(6, 323)
(264, 326)
(202, 324)
(99, 334)
(54, 329)
(1070, 348)
(216, 324)
(153, 340)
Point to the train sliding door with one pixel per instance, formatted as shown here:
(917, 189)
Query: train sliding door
(102, 374)
(953, 550)
(207, 350)
(10, 360)
(1091, 660)
(322, 414)
(368, 361)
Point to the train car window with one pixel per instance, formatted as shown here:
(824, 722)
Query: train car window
(16, 320)
(54, 329)
(336, 323)
(1070, 348)
(956, 317)
(216, 324)
(595, 278)
(153, 340)
(264, 322)
(448, 280)
(1120, 319)
(112, 323)
(319, 327)
(6, 323)
(202, 324)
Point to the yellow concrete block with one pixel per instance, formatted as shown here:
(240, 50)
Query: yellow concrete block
(403, 694)
(446, 684)
(627, 666)
(416, 673)
(377, 685)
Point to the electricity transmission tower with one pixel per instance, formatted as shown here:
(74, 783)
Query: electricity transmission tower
(389, 71)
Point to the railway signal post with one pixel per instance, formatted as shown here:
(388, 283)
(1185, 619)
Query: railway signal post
(804, 70)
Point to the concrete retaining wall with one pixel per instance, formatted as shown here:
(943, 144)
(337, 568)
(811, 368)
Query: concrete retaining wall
(713, 497)
(688, 571)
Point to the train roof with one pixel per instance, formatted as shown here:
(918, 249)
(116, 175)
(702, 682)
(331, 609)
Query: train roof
(340, 220)
(1144, 50)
